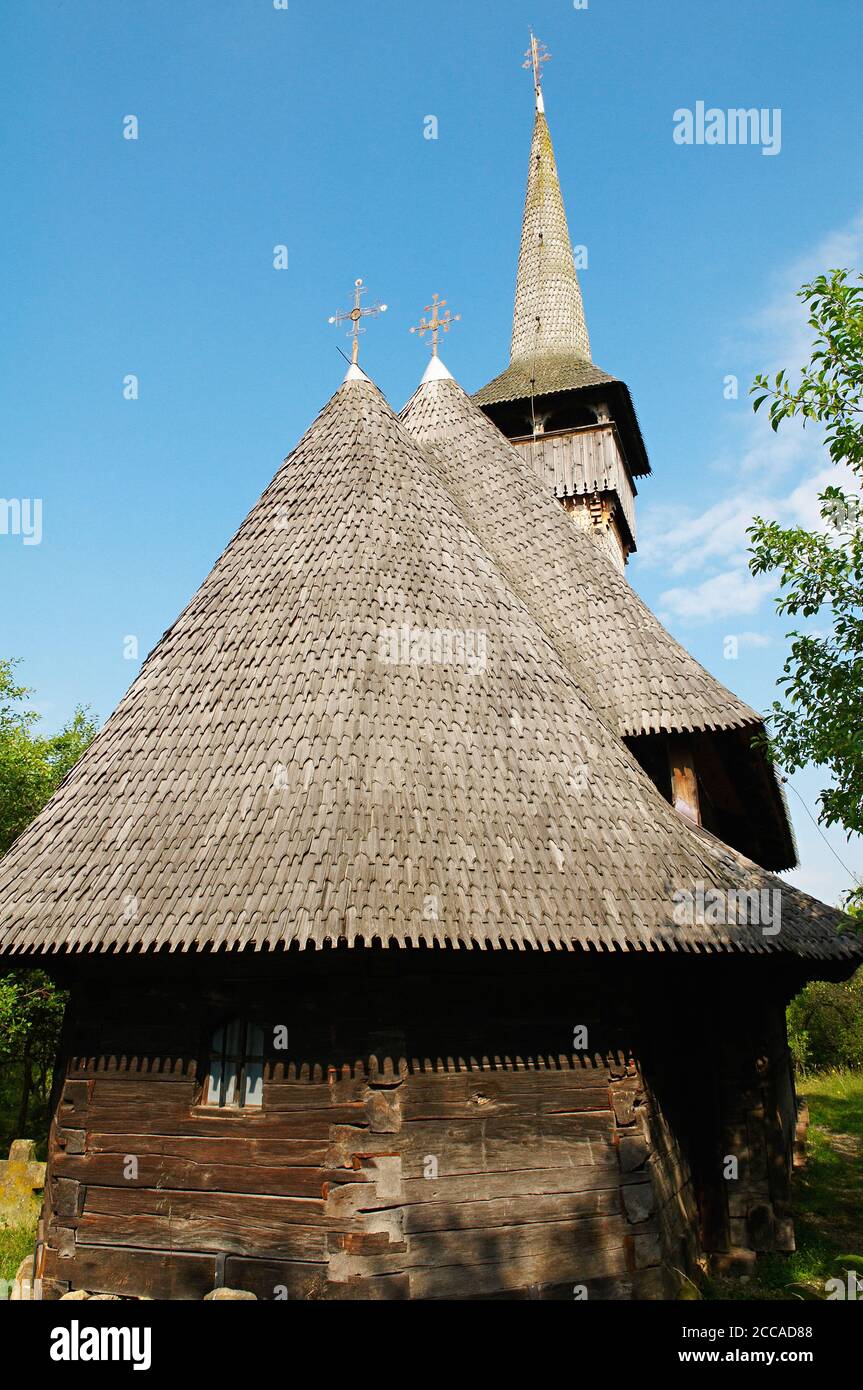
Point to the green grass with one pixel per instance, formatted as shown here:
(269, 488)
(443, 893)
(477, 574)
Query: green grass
(16, 1242)
(827, 1194)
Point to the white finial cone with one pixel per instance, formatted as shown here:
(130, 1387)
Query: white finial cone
(435, 371)
(355, 373)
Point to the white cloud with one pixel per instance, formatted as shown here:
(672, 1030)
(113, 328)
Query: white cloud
(719, 534)
(779, 335)
(730, 594)
(772, 474)
(749, 640)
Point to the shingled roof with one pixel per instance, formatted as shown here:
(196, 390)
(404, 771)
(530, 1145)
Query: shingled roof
(642, 680)
(302, 761)
(550, 348)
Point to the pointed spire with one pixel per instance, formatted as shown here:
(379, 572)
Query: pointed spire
(549, 313)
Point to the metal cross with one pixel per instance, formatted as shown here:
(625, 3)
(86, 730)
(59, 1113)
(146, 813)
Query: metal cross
(535, 56)
(438, 323)
(354, 316)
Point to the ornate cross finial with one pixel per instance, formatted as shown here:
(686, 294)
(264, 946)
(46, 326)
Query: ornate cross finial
(355, 315)
(438, 323)
(534, 58)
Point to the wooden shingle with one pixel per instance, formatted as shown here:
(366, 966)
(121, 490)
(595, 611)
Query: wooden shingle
(296, 763)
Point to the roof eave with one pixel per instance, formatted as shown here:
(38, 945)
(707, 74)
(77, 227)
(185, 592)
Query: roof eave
(508, 388)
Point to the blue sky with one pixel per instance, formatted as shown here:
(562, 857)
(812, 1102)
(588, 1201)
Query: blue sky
(304, 127)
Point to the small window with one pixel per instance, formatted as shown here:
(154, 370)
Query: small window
(235, 1077)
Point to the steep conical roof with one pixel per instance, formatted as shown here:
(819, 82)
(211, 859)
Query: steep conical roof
(550, 348)
(645, 682)
(641, 680)
(549, 313)
(307, 757)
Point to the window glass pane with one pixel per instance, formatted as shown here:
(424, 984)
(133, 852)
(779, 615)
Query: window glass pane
(231, 1083)
(214, 1081)
(254, 1084)
(236, 1046)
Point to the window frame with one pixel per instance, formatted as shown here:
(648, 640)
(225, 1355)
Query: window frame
(232, 1064)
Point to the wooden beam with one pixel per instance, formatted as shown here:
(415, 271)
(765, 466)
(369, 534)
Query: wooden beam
(684, 782)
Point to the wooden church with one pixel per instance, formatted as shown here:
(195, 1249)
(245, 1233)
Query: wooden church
(416, 902)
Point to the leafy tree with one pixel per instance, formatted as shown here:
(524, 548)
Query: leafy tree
(31, 768)
(31, 1012)
(820, 572)
(825, 1024)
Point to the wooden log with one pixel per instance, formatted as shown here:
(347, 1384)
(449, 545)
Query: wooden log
(204, 1232)
(544, 1098)
(277, 1280)
(498, 1084)
(103, 1269)
(237, 1124)
(107, 1170)
(275, 1212)
(498, 1144)
(572, 1240)
(350, 1197)
(526, 1272)
(225, 1149)
(510, 1211)
(67, 1197)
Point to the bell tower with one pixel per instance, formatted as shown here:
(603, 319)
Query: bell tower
(575, 422)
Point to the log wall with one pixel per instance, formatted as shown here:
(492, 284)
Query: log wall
(432, 1139)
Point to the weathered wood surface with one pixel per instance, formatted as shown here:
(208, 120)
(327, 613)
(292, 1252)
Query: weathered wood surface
(112, 1269)
(510, 1210)
(366, 1175)
(323, 1192)
(272, 1212)
(238, 1234)
(575, 463)
(107, 1170)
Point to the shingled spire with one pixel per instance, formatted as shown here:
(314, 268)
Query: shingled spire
(552, 386)
(550, 346)
(549, 312)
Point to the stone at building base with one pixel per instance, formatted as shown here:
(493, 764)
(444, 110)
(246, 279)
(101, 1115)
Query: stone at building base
(22, 1284)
